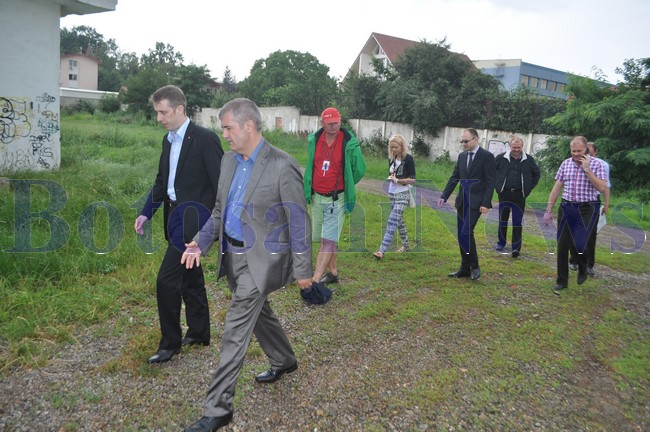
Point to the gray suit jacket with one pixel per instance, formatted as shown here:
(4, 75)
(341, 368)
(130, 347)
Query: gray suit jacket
(275, 221)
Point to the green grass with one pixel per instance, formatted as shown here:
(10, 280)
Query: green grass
(497, 329)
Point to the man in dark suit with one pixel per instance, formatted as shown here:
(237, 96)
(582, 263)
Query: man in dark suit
(186, 186)
(475, 171)
(262, 220)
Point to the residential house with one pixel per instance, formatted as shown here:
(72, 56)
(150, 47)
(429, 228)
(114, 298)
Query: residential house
(386, 49)
(213, 86)
(79, 71)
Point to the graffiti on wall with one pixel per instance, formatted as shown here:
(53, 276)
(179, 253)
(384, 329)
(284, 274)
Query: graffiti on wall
(497, 147)
(26, 132)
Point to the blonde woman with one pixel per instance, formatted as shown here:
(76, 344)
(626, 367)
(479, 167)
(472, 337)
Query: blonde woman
(401, 169)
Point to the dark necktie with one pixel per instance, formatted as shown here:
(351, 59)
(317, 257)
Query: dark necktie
(469, 161)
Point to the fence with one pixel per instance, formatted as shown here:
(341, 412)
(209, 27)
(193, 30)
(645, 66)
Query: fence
(289, 120)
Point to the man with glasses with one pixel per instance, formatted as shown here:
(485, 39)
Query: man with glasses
(475, 171)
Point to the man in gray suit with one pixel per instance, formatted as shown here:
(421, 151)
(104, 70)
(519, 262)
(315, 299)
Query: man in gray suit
(261, 217)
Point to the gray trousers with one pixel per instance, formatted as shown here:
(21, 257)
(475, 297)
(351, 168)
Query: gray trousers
(249, 313)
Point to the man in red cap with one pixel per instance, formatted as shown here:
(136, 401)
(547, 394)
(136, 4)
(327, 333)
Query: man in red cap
(334, 166)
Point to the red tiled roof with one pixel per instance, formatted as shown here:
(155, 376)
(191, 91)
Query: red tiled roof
(393, 46)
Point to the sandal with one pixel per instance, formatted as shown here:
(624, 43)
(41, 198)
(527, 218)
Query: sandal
(378, 254)
(403, 249)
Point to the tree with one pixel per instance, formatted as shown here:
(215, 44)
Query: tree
(290, 78)
(360, 97)
(162, 66)
(617, 119)
(193, 80)
(140, 87)
(436, 87)
(428, 87)
(229, 81)
(431, 87)
(86, 40)
(636, 73)
(522, 110)
(162, 57)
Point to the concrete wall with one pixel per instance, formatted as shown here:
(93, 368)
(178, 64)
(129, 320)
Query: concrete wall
(447, 141)
(29, 88)
(69, 96)
(30, 132)
(286, 118)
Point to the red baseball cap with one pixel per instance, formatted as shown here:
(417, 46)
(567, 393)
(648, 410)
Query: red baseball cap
(331, 115)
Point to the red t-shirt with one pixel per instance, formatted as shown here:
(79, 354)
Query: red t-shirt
(328, 165)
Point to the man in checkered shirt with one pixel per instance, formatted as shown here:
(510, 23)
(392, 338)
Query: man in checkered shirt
(580, 178)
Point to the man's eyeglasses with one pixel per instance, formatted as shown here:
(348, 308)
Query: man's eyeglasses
(466, 141)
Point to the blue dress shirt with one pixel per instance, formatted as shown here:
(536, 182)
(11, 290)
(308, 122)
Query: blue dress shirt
(176, 139)
(235, 206)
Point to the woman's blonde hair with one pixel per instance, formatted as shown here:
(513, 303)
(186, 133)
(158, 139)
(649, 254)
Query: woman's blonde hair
(399, 139)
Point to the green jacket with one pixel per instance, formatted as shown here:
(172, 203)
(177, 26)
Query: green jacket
(354, 167)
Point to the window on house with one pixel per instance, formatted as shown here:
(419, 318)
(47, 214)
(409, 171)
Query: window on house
(524, 80)
(72, 77)
(72, 63)
(543, 84)
(533, 82)
(560, 87)
(551, 85)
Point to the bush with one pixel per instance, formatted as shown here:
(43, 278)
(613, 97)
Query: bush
(376, 145)
(81, 106)
(444, 158)
(109, 104)
(420, 147)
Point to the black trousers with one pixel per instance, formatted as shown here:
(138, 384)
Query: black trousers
(466, 220)
(515, 201)
(591, 247)
(576, 221)
(176, 284)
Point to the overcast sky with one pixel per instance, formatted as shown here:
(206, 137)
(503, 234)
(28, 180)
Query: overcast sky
(568, 35)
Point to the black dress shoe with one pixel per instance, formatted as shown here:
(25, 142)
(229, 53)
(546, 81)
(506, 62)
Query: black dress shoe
(573, 266)
(515, 253)
(475, 273)
(271, 375)
(163, 356)
(459, 274)
(187, 341)
(209, 424)
(557, 288)
(582, 277)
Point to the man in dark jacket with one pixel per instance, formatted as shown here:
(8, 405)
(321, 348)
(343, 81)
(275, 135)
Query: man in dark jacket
(186, 188)
(475, 171)
(517, 176)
